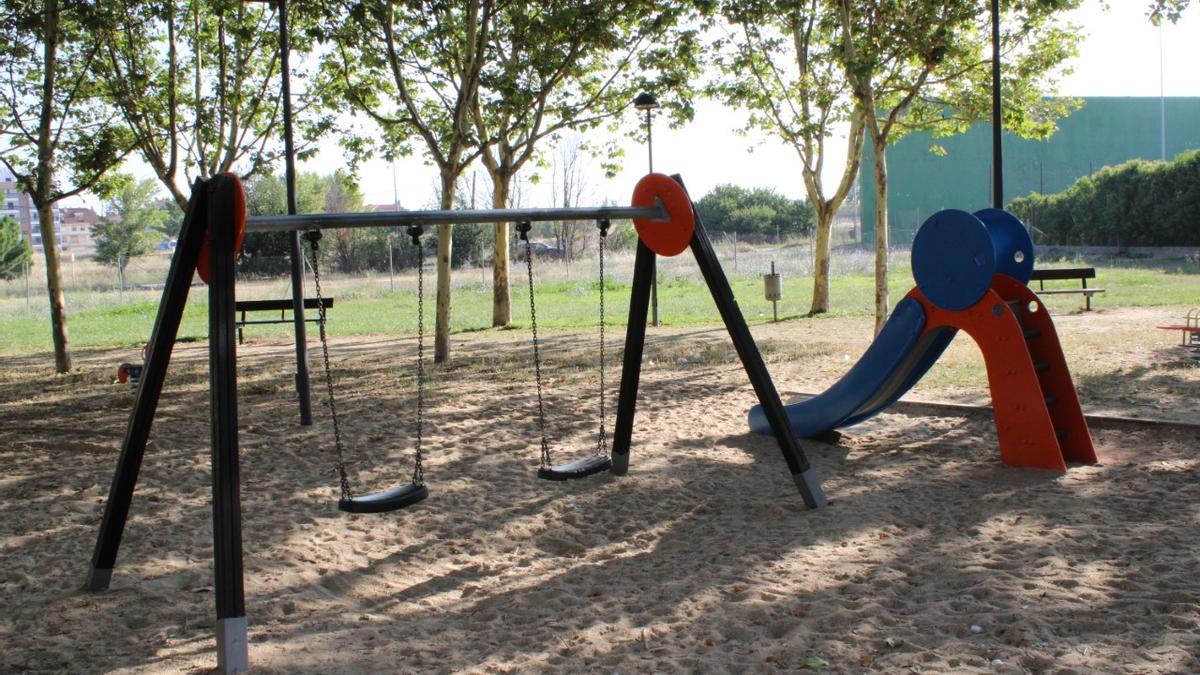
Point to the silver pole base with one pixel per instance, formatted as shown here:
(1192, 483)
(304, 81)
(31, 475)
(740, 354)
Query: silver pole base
(98, 579)
(620, 464)
(810, 489)
(233, 649)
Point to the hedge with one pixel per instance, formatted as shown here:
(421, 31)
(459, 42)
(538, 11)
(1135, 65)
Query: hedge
(1137, 203)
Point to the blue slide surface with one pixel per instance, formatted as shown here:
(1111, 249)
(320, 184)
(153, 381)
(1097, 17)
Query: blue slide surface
(894, 362)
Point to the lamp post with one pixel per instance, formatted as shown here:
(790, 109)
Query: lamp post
(297, 264)
(997, 121)
(646, 101)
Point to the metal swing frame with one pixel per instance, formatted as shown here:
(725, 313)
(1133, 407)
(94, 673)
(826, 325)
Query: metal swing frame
(210, 218)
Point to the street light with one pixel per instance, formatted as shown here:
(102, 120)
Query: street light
(646, 101)
(297, 264)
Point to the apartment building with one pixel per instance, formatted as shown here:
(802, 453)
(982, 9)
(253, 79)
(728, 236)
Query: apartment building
(72, 225)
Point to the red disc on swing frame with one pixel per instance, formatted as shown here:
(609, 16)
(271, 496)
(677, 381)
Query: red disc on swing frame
(672, 236)
(239, 227)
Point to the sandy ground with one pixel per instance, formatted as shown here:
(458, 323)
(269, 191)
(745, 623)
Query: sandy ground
(932, 556)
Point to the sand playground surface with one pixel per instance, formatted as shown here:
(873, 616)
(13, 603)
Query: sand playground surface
(932, 556)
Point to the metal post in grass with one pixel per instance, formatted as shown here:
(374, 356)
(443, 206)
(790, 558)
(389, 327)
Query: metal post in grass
(391, 275)
(646, 101)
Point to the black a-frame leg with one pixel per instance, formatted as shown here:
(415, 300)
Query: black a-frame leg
(232, 640)
(805, 478)
(718, 284)
(162, 341)
(631, 365)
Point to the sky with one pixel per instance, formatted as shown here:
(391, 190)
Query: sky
(1119, 56)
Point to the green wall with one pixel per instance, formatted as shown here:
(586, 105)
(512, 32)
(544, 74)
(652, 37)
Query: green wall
(1105, 131)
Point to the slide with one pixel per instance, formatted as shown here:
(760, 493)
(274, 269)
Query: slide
(895, 361)
(971, 272)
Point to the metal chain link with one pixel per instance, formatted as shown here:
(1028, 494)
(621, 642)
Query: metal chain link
(339, 448)
(523, 229)
(602, 436)
(415, 231)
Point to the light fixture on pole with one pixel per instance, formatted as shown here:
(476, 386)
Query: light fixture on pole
(646, 101)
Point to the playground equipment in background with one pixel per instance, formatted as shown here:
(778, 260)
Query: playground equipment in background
(971, 272)
(1189, 331)
(214, 225)
(131, 373)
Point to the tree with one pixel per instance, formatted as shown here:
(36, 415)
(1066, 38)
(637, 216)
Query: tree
(923, 70)
(780, 62)
(15, 251)
(341, 196)
(57, 135)
(1170, 10)
(414, 68)
(197, 83)
(267, 253)
(760, 212)
(569, 64)
(132, 224)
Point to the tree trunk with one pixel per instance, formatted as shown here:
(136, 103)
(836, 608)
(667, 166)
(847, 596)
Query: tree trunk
(821, 254)
(44, 186)
(881, 234)
(445, 234)
(58, 303)
(501, 298)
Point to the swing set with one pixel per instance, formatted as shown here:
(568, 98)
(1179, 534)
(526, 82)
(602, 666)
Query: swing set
(211, 235)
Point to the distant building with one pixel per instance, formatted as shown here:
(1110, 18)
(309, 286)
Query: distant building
(15, 203)
(72, 225)
(1105, 131)
(75, 230)
(385, 207)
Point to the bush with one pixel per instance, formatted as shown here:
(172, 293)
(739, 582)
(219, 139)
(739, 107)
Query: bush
(758, 212)
(1137, 203)
(15, 252)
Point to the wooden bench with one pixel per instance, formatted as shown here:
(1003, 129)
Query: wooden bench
(283, 306)
(1080, 273)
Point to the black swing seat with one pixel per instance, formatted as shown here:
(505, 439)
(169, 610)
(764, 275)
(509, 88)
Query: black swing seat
(578, 469)
(388, 500)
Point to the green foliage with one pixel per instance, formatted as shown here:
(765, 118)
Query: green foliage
(134, 224)
(197, 83)
(1137, 203)
(560, 65)
(349, 250)
(1170, 10)
(761, 212)
(15, 251)
(56, 130)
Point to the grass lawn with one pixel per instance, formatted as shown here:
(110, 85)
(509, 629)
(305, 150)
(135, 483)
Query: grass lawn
(366, 306)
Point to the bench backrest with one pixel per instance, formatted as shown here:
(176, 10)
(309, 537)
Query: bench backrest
(1064, 273)
(276, 305)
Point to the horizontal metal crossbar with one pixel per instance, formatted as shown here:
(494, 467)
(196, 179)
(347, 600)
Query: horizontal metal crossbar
(320, 221)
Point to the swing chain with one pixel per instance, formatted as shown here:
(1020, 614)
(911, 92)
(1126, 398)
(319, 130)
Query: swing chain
(314, 236)
(523, 228)
(415, 231)
(602, 436)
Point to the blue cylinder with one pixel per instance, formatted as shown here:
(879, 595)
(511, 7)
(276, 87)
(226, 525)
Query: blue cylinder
(953, 259)
(1011, 240)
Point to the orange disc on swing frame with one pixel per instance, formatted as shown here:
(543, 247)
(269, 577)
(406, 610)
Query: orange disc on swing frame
(665, 237)
(239, 228)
